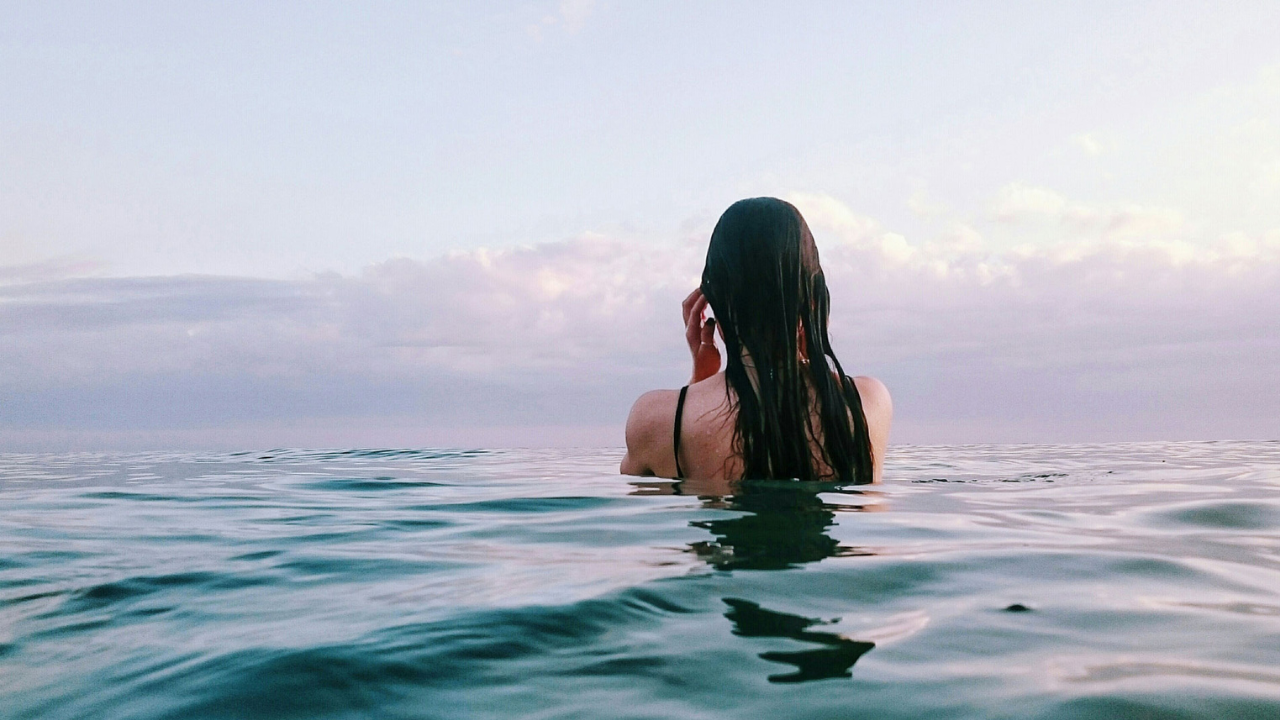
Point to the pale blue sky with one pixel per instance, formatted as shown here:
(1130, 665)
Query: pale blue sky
(278, 138)
(257, 224)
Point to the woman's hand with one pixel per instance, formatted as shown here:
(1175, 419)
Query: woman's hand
(701, 337)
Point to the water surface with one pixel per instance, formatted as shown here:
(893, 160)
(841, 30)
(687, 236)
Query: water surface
(1135, 580)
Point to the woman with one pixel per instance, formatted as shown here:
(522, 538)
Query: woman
(783, 406)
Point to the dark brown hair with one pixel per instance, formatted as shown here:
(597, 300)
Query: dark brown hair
(763, 281)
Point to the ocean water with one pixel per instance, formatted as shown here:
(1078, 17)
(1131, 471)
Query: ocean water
(1098, 581)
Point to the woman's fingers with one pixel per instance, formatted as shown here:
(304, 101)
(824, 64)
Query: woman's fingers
(687, 306)
(701, 337)
(693, 323)
(709, 332)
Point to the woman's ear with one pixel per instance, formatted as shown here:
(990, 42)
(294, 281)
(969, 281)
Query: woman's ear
(802, 344)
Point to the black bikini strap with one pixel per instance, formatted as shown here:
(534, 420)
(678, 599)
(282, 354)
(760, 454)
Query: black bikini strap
(679, 415)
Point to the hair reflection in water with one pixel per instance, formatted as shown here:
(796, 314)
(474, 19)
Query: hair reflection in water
(832, 661)
(785, 525)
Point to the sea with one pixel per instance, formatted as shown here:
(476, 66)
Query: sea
(1030, 581)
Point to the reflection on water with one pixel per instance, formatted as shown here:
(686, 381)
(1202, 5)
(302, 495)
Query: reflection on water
(784, 525)
(782, 528)
(832, 661)
(1055, 583)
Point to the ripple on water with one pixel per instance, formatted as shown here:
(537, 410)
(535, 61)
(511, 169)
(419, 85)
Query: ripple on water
(1129, 580)
(1230, 516)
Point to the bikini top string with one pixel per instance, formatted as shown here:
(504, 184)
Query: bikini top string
(679, 415)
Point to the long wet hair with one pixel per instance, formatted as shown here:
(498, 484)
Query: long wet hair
(763, 281)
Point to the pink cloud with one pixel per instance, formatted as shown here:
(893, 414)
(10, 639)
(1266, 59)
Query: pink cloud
(1098, 338)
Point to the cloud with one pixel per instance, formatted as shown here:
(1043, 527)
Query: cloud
(570, 16)
(845, 227)
(1089, 143)
(1113, 335)
(1017, 201)
(1020, 204)
(505, 338)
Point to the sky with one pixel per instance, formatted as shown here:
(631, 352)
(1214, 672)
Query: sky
(249, 225)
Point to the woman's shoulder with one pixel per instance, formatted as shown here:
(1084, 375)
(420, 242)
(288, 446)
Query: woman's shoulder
(655, 410)
(648, 431)
(651, 407)
(877, 408)
(872, 390)
(651, 425)
(877, 404)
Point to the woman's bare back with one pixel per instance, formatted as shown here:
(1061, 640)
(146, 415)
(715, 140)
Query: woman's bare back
(706, 430)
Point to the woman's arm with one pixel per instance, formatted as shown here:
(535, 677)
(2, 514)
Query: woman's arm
(877, 406)
(648, 436)
(633, 462)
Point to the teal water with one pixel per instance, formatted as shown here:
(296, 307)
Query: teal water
(1116, 581)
